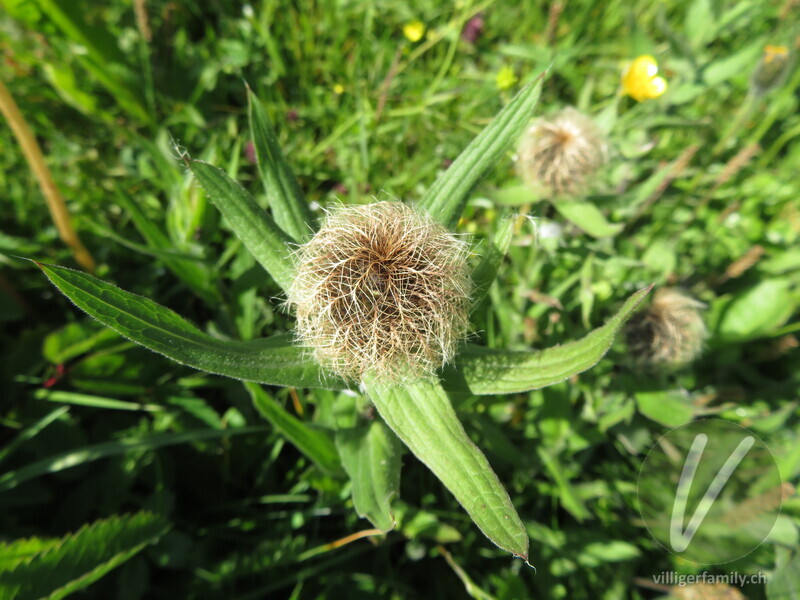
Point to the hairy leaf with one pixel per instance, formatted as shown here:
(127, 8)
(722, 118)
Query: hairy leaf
(268, 244)
(446, 198)
(288, 206)
(486, 271)
(490, 371)
(275, 360)
(78, 559)
(421, 415)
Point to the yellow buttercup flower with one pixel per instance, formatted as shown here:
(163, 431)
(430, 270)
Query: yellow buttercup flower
(414, 31)
(775, 52)
(338, 89)
(640, 80)
(505, 78)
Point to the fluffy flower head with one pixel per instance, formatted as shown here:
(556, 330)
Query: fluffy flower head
(670, 333)
(561, 152)
(381, 288)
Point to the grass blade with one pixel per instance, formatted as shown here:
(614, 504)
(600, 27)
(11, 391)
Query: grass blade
(421, 415)
(316, 444)
(490, 371)
(31, 431)
(86, 454)
(446, 198)
(268, 244)
(275, 360)
(288, 206)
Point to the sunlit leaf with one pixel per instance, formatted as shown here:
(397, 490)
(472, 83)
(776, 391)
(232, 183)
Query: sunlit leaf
(491, 371)
(446, 198)
(273, 360)
(268, 244)
(288, 206)
(422, 417)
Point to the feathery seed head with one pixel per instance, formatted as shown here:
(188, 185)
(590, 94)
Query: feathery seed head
(561, 152)
(381, 288)
(670, 333)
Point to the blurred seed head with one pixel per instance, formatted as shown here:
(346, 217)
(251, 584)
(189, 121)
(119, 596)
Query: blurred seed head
(562, 152)
(381, 288)
(771, 69)
(670, 333)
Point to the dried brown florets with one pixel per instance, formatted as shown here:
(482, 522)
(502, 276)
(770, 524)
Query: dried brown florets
(561, 153)
(670, 333)
(381, 288)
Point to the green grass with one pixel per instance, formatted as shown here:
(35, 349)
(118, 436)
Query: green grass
(250, 515)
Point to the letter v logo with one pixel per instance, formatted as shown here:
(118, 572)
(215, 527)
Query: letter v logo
(680, 538)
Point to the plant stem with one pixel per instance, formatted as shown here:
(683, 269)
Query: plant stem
(55, 202)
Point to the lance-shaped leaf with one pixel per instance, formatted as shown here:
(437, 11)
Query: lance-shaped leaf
(486, 271)
(371, 456)
(446, 198)
(490, 371)
(288, 206)
(275, 360)
(423, 418)
(316, 444)
(57, 568)
(268, 244)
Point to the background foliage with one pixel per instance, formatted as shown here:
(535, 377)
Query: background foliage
(701, 193)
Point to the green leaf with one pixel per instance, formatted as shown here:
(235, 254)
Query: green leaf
(99, 54)
(785, 581)
(490, 371)
(757, 311)
(588, 217)
(259, 233)
(78, 559)
(421, 415)
(316, 444)
(514, 195)
(31, 431)
(446, 198)
(667, 407)
(86, 454)
(75, 339)
(18, 551)
(371, 456)
(486, 271)
(415, 523)
(288, 206)
(196, 275)
(274, 360)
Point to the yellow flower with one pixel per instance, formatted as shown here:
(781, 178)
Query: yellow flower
(338, 89)
(640, 80)
(505, 78)
(773, 52)
(414, 31)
